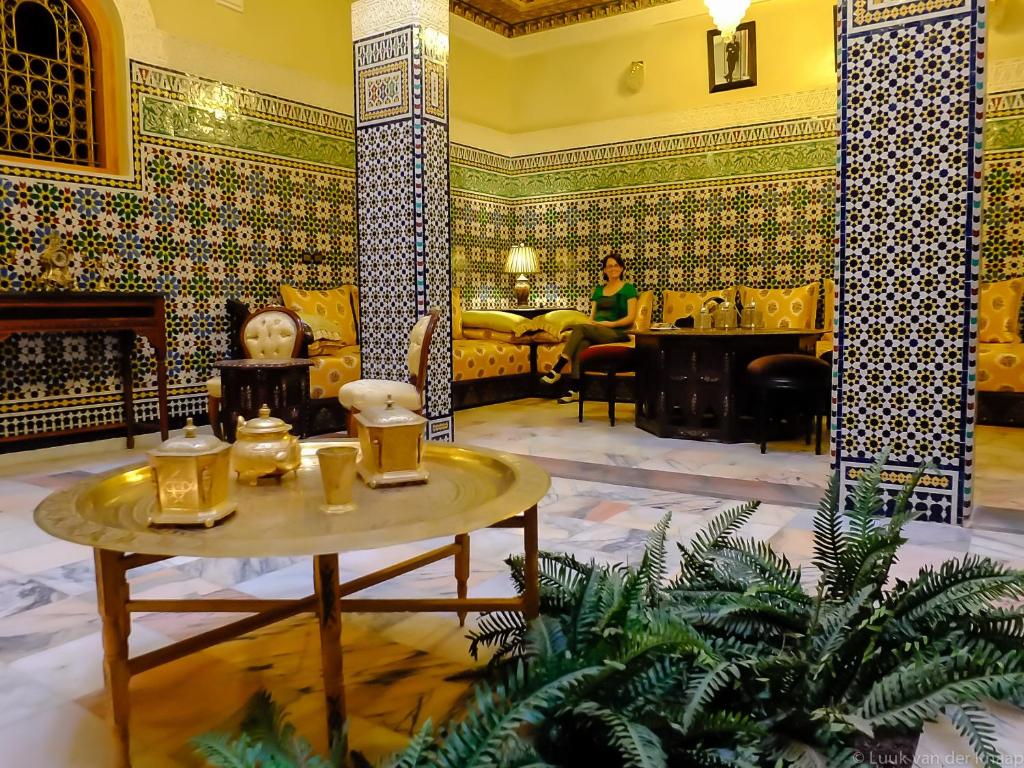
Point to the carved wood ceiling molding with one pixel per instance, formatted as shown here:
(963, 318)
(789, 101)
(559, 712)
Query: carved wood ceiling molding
(513, 18)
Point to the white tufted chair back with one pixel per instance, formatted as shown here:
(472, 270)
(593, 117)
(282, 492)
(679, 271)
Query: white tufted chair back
(419, 348)
(271, 333)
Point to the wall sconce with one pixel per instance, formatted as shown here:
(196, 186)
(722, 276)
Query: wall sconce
(633, 80)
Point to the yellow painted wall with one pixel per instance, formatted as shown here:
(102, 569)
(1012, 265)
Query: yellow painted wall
(1006, 27)
(298, 49)
(582, 83)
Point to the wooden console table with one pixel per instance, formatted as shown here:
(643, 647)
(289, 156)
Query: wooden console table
(689, 382)
(122, 314)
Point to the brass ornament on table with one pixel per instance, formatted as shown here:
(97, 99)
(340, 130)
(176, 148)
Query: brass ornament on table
(264, 447)
(56, 263)
(191, 475)
(391, 446)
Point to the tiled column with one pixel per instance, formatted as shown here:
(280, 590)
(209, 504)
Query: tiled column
(401, 79)
(911, 95)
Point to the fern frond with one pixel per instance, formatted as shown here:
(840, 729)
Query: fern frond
(713, 536)
(219, 751)
(637, 745)
(829, 539)
(504, 630)
(416, 754)
(973, 724)
(654, 565)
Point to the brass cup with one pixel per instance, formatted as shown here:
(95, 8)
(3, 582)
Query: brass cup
(338, 473)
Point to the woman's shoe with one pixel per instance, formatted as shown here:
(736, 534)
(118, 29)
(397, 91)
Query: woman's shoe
(550, 377)
(571, 396)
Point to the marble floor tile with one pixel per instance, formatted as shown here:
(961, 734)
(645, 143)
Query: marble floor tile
(75, 668)
(62, 734)
(400, 668)
(50, 626)
(21, 593)
(42, 557)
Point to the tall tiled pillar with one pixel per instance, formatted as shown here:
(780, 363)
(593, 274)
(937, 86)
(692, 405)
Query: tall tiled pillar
(911, 95)
(401, 99)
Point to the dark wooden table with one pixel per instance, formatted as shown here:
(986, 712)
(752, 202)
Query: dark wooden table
(122, 314)
(282, 385)
(690, 383)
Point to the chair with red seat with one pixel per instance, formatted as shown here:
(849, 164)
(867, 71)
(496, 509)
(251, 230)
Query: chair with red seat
(610, 361)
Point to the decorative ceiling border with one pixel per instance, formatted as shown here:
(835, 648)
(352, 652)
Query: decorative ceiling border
(553, 21)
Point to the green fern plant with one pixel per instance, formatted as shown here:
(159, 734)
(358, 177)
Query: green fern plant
(730, 663)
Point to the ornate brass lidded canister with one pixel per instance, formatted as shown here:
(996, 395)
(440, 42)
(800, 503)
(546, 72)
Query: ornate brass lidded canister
(391, 446)
(264, 447)
(191, 474)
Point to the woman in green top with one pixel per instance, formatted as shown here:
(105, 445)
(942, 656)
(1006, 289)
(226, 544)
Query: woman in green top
(612, 311)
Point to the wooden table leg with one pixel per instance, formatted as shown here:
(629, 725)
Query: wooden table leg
(531, 568)
(126, 341)
(326, 582)
(462, 571)
(112, 591)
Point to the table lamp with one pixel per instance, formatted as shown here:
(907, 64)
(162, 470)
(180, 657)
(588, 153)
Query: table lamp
(522, 261)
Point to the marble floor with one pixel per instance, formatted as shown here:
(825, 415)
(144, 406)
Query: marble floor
(609, 486)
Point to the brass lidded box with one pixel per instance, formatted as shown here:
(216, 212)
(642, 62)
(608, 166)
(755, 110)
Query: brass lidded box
(264, 447)
(191, 474)
(391, 446)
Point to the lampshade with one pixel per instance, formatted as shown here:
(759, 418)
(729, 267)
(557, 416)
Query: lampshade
(727, 15)
(522, 260)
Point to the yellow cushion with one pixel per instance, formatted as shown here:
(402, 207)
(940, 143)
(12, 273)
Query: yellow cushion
(327, 348)
(999, 310)
(486, 334)
(371, 393)
(490, 318)
(677, 304)
(456, 314)
(337, 319)
(330, 373)
(213, 387)
(354, 296)
(562, 319)
(1001, 367)
(549, 327)
(828, 320)
(486, 359)
(644, 311)
(784, 307)
(547, 355)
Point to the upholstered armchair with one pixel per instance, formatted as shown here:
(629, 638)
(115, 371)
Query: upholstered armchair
(366, 393)
(271, 332)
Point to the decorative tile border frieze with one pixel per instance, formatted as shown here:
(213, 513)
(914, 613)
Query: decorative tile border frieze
(231, 99)
(181, 122)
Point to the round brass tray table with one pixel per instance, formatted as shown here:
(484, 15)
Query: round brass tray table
(469, 489)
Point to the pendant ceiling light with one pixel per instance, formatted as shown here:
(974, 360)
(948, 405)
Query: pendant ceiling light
(727, 15)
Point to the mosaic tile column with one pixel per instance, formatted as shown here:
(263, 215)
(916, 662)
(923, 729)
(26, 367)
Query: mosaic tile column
(401, 79)
(911, 98)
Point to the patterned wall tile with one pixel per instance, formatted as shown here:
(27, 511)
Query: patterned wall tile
(907, 272)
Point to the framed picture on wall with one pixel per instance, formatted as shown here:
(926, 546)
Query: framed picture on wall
(732, 64)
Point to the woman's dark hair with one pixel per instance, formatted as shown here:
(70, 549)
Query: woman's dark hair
(613, 256)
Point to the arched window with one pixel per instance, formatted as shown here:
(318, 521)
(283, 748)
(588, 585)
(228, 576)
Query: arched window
(47, 98)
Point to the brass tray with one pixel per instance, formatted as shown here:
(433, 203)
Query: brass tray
(469, 489)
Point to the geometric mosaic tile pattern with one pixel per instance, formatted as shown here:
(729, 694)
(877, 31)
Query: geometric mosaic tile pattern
(402, 182)
(199, 223)
(909, 212)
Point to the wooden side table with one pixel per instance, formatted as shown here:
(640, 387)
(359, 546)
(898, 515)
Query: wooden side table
(282, 385)
(475, 488)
